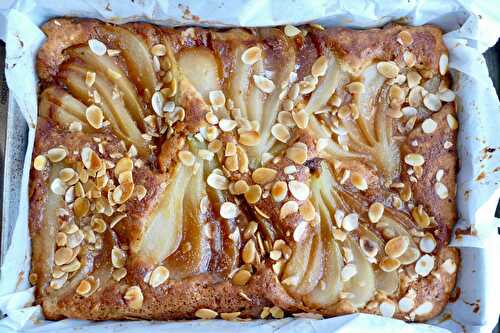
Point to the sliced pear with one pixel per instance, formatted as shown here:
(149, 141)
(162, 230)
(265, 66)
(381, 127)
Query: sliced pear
(137, 55)
(201, 69)
(107, 67)
(326, 86)
(328, 290)
(193, 255)
(61, 98)
(399, 230)
(296, 267)
(163, 227)
(315, 267)
(114, 110)
(50, 110)
(361, 285)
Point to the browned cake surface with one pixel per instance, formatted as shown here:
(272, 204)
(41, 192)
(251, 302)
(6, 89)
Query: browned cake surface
(182, 173)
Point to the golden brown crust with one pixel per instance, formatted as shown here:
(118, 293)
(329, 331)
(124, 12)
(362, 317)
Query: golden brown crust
(210, 287)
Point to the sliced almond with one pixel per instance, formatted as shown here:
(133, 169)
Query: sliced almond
(350, 222)
(387, 309)
(288, 208)
(241, 277)
(84, 287)
(301, 119)
(279, 191)
(217, 181)
(369, 247)
(449, 266)
(299, 190)
(251, 138)
(98, 47)
(90, 159)
(81, 207)
(389, 264)
(409, 58)
(429, 126)
(297, 154)
(388, 69)
(217, 98)
(264, 84)
(319, 67)
(158, 276)
(413, 79)
(263, 176)
(348, 272)
(63, 255)
(405, 38)
(205, 314)
(441, 190)
(307, 211)
(414, 160)
(57, 154)
(186, 157)
(280, 132)
(58, 186)
(229, 210)
(355, 87)
(358, 181)
(452, 121)
(291, 31)
(240, 187)
(432, 102)
(424, 265)
(251, 55)
(277, 312)
(253, 194)
(159, 50)
(119, 274)
(447, 95)
(375, 212)
(118, 257)
(406, 304)
(395, 247)
(40, 162)
(90, 79)
(424, 308)
(443, 64)
(300, 231)
(427, 243)
(249, 252)
(134, 298)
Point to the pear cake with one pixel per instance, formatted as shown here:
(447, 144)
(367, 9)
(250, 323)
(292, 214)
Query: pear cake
(242, 173)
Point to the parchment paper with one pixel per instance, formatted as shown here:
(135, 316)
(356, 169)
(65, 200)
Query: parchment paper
(471, 26)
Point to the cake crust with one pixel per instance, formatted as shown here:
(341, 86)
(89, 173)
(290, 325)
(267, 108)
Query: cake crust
(208, 279)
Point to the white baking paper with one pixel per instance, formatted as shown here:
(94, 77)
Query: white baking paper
(471, 26)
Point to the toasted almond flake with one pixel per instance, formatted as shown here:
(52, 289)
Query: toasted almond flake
(81, 207)
(229, 315)
(420, 216)
(157, 102)
(40, 162)
(443, 64)
(350, 222)
(264, 84)
(98, 47)
(409, 58)
(307, 211)
(427, 243)
(413, 79)
(275, 255)
(414, 160)
(240, 187)
(63, 256)
(288, 208)
(279, 191)
(217, 98)
(159, 50)
(388, 69)
(319, 67)
(358, 181)
(249, 251)
(253, 194)
(159, 275)
(387, 309)
(447, 95)
(395, 247)
(229, 210)
(429, 126)
(58, 186)
(424, 265)
(118, 257)
(277, 312)
(286, 119)
(241, 277)
(299, 190)
(452, 121)
(406, 304)
(348, 271)
(300, 230)
(90, 159)
(119, 274)
(441, 190)
(250, 138)
(66, 174)
(94, 116)
(405, 39)
(389, 264)
(84, 287)
(186, 157)
(432, 102)
(424, 308)
(134, 298)
(369, 247)
(375, 212)
(89, 79)
(301, 119)
(280, 132)
(355, 87)
(211, 118)
(449, 266)
(297, 154)
(396, 93)
(217, 181)
(57, 154)
(251, 55)
(394, 113)
(291, 31)
(263, 176)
